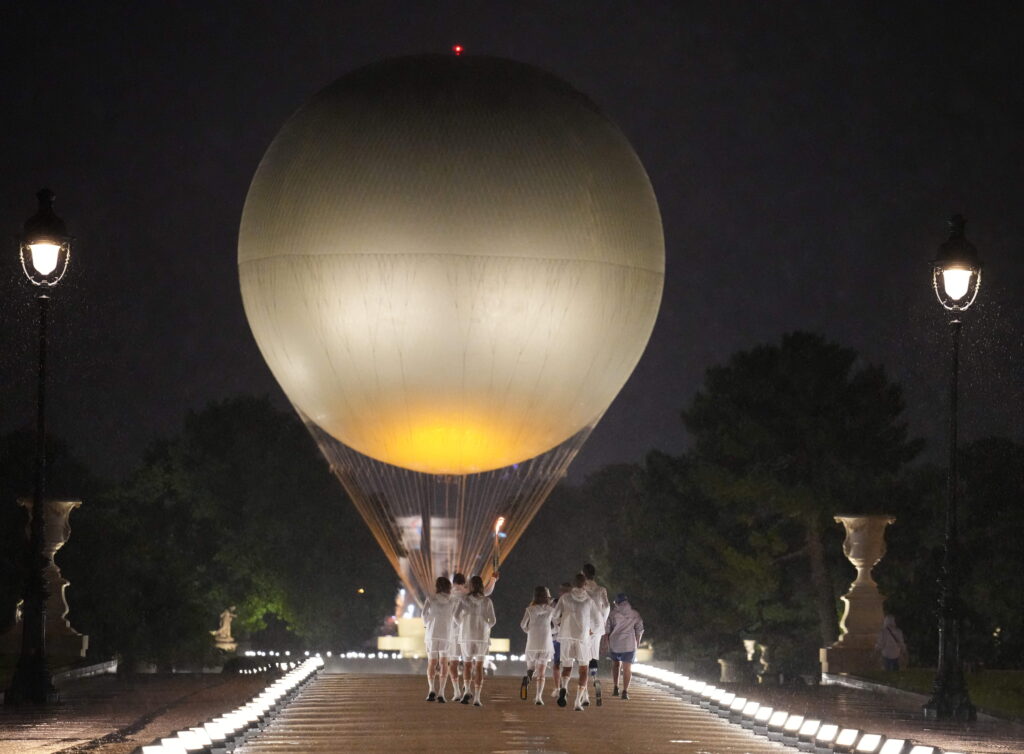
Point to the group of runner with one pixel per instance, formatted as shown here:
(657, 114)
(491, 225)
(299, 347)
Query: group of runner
(560, 632)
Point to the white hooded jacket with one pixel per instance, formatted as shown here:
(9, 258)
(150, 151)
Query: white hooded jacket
(536, 623)
(576, 615)
(600, 596)
(475, 615)
(439, 616)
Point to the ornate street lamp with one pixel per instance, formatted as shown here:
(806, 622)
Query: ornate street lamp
(956, 277)
(45, 249)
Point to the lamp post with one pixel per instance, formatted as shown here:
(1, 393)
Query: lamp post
(956, 277)
(45, 248)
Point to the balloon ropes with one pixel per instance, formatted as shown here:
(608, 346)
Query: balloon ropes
(451, 266)
(431, 525)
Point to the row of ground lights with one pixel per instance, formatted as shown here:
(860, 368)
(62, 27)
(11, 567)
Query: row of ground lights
(805, 733)
(369, 655)
(224, 733)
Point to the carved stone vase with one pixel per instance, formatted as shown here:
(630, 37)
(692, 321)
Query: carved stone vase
(61, 639)
(864, 547)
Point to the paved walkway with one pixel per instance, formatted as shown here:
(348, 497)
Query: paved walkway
(373, 713)
(376, 713)
(115, 714)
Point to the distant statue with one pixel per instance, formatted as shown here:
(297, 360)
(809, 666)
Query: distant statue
(222, 636)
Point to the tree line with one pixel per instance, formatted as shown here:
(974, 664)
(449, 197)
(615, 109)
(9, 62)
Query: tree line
(732, 539)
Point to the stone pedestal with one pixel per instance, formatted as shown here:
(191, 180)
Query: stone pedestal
(864, 547)
(62, 640)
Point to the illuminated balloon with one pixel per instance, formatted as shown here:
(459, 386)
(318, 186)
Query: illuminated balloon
(451, 265)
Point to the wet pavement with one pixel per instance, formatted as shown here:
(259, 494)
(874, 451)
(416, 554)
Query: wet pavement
(896, 715)
(339, 713)
(376, 712)
(115, 714)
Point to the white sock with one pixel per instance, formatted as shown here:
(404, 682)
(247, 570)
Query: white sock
(540, 687)
(430, 683)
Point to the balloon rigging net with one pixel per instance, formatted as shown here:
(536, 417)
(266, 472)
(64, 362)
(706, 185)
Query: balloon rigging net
(432, 525)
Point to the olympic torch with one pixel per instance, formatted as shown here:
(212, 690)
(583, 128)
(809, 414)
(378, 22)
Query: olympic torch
(497, 542)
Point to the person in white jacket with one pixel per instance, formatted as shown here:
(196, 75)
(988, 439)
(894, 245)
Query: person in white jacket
(459, 590)
(556, 666)
(600, 597)
(575, 616)
(625, 629)
(540, 649)
(475, 615)
(439, 631)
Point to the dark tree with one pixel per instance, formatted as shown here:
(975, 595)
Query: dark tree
(991, 528)
(698, 573)
(793, 434)
(239, 510)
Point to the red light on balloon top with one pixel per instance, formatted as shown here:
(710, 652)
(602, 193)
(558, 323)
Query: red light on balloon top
(457, 49)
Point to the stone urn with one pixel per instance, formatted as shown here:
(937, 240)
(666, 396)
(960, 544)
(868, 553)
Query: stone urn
(61, 639)
(864, 547)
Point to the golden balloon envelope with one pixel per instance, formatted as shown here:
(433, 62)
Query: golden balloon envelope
(451, 264)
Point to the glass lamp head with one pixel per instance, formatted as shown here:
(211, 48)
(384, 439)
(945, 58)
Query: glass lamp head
(956, 271)
(45, 244)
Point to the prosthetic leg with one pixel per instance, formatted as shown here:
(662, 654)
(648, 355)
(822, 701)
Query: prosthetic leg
(597, 682)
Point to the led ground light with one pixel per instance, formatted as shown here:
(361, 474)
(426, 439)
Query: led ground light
(846, 740)
(825, 736)
(711, 698)
(894, 746)
(736, 708)
(775, 723)
(724, 703)
(808, 731)
(870, 743)
(792, 726)
(747, 718)
(761, 718)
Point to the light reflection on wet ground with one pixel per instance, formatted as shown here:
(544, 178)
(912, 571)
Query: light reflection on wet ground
(341, 713)
(115, 714)
(895, 715)
(378, 713)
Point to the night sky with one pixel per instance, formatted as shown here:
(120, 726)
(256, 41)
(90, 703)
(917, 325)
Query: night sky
(806, 157)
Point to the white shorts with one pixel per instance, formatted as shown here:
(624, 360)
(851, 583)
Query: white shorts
(437, 648)
(574, 649)
(474, 650)
(538, 656)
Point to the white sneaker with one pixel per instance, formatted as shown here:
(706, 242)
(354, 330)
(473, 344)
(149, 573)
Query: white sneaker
(539, 702)
(578, 707)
